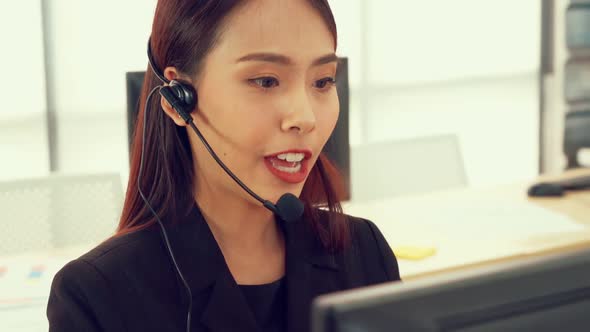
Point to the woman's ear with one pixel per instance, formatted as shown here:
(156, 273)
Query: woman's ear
(171, 112)
(171, 74)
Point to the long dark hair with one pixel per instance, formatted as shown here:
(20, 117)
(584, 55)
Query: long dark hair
(183, 32)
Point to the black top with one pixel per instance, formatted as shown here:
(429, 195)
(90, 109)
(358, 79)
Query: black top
(128, 283)
(267, 303)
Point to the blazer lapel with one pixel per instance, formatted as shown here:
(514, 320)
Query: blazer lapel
(218, 302)
(310, 271)
(227, 309)
(298, 293)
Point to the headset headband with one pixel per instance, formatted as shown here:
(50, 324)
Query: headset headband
(152, 62)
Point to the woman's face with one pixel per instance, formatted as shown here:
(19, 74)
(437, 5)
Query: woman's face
(267, 102)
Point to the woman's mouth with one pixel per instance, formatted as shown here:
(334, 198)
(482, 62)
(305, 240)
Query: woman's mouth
(289, 166)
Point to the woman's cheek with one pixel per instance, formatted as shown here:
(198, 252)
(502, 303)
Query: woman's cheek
(327, 122)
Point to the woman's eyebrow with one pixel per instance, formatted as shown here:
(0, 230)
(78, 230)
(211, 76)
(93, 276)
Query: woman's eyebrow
(284, 60)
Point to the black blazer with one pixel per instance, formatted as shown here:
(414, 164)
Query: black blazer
(128, 283)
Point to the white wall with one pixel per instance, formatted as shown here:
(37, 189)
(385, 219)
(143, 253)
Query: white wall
(423, 41)
(460, 67)
(22, 59)
(411, 42)
(94, 43)
(22, 91)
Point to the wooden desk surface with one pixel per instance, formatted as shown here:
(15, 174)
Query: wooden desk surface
(575, 205)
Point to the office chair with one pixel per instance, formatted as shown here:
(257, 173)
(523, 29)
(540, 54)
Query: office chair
(576, 136)
(24, 217)
(400, 167)
(58, 211)
(337, 148)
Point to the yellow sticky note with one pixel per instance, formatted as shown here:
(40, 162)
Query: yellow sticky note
(413, 252)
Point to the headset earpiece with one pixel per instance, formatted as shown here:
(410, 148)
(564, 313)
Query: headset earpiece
(185, 93)
(179, 94)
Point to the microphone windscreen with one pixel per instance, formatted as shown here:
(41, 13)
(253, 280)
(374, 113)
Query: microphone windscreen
(289, 208)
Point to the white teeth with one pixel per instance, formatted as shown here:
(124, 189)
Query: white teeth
(296, 168)
(289, 169)
(291, 157)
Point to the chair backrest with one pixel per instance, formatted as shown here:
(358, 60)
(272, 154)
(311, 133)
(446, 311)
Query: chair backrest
(58, 211)
(392, 168)
(337, 148)
(24, 217)
(576, 136)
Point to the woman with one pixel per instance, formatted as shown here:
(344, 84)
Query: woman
(264, 73)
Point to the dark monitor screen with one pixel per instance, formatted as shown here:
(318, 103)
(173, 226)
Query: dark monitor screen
(337, 149)
(134, 81)
(577, 25)
(550, 293)
(576, 82)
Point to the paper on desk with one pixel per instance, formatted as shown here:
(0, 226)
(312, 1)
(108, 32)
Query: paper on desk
(463, 234)
(24, 319)
(27, 281)
(23, 294)
(478, 221)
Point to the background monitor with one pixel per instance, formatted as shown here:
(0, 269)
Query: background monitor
(576, 81)
(577, 25)
(550, 293)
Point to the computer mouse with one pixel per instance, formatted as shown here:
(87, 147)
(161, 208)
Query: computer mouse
(546, 190)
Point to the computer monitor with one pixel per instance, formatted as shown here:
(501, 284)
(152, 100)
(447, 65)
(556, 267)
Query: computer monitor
(577, 25)
(551, 293)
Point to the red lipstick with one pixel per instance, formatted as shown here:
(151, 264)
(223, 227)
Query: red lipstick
(294, 171)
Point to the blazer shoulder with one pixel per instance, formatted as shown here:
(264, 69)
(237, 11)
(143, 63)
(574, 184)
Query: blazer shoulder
(118, 251)
(368, 242)
(79, 300)
(360, 228)
(365, 230)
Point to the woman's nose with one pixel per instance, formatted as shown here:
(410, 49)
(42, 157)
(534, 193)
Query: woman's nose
(300, 116)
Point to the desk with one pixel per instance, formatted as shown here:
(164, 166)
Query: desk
(25, 281)
(537, 226)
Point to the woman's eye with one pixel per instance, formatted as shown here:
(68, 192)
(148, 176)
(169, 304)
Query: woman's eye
(325, 83)
(265, 82)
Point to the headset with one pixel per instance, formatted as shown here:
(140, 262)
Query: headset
(184, 99)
